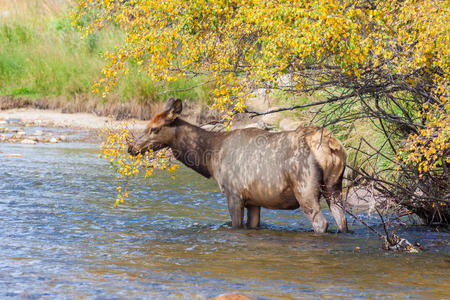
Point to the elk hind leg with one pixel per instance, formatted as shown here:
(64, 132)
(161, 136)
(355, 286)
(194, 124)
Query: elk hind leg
(236, 210)
(309, 202)
(253, 216)
(333, 196)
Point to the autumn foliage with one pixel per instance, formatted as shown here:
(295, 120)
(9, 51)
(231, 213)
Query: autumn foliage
(384, 61)
(114, 149)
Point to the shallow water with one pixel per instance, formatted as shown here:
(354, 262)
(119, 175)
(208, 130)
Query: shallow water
(60, 237)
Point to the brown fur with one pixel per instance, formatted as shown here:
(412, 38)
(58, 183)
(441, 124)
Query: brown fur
(329, 153)
(157, 120)
(255, 168)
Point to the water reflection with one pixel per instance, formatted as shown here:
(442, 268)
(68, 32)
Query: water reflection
(61, 237)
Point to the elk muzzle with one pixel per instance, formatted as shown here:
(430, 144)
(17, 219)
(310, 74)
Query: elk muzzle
(135, 148)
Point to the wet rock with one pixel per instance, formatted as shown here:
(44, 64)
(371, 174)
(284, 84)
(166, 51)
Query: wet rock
(53, 140)
(13, 121)
(28, 142)
(251, 125)
(259, 101)
(4, 129)
(12, 155)
(62, 138)
(38, 133)
(285, 81)
(260, 125)
(288, 124)
(5, 14)
(272, 119)
(231, 296)
(365, 198)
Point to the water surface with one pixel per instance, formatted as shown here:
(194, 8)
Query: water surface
(60, 237)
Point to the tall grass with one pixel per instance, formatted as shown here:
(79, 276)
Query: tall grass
(41, 55)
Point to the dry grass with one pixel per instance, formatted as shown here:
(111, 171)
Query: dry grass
(31, 8)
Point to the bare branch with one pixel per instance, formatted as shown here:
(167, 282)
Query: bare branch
(330, 100)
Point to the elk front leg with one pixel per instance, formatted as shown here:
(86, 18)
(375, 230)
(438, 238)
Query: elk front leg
(253, 216)
(236, 209)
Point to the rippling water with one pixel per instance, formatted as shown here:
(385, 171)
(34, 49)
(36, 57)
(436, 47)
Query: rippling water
(60, 237)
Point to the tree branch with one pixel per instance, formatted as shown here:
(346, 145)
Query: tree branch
(330, 100)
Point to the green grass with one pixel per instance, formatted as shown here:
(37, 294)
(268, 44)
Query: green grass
(42, 56)
(45, 59)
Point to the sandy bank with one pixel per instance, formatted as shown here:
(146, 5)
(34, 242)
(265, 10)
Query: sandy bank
(53, 118)
(21, 125)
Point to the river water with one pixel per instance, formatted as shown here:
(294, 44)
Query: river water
(61, 238)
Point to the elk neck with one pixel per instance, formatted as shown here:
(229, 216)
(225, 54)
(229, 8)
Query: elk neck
(195, 147)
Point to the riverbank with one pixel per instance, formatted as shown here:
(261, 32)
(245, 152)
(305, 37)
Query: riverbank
(89, 114)
(31, 126)
(16, 113)
(54, 118)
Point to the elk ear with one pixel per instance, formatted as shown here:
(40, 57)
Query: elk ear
(173, 109)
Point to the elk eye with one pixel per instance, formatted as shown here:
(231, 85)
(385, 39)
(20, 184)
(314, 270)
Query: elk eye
(154, 130)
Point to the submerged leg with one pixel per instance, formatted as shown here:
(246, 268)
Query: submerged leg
(253, 216)
(333, 196)
(309, 202)
(236, 209)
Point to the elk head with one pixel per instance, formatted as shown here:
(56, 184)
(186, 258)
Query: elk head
(160, 131)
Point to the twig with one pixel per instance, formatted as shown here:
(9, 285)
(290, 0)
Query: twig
(384, 226)
(365, 224)
(187, 89)
(330, 100)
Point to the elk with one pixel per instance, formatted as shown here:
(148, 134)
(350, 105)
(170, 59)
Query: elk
(255, 168)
